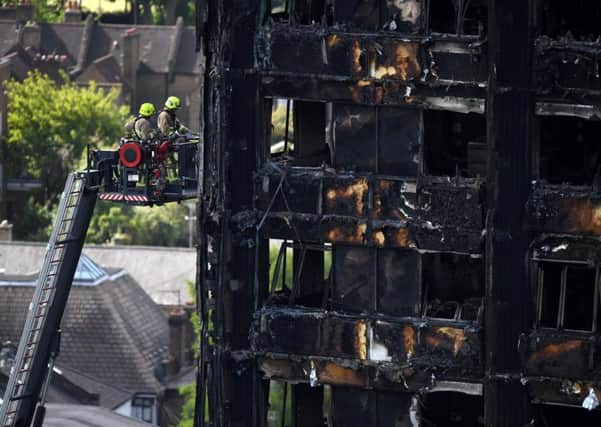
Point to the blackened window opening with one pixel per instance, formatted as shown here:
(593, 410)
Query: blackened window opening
(297, 132)
(382, 140)
(452, 409)
(570, 150)
(309, 11)
(452, 286)
(454, 144)
(278, 9)
(461, 17)
(391, 15)
(376, 280)
(299, 274)
(578, 19)
(561, 416)
(443, 16)
(475, 18)
(567, 296)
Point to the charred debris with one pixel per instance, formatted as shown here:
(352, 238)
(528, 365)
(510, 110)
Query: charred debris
(426, 177)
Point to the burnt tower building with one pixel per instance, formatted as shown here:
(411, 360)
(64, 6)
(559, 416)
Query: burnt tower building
(400, 213)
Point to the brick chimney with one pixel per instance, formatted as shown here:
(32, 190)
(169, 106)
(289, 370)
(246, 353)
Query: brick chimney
(178, 323)
(25, 11)
(130, 54)
(73, 11)
(6, 231)
(29, 35)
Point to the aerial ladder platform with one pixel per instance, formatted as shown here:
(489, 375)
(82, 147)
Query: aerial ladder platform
(112, 176)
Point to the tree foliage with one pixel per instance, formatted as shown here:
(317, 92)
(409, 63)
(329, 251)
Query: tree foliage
(46, 11)
(161, 226)
(50, 124)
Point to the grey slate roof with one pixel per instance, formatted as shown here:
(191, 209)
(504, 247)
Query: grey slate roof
(61, 415)
(61, 39)
(107, 39)
(186, 63)
(161, 272)
(113, 334)
(109, 395)
(155, 43)
(8, 37)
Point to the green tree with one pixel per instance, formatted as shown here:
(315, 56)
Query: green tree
(160, 226)
(155, 11)
(46, 11)
(49, 125)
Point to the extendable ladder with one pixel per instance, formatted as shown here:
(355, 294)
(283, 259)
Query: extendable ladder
(38, 347)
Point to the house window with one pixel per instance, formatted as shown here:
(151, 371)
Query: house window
(567, 296)
(142, 408)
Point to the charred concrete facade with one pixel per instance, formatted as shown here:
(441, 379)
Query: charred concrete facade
(428, 172)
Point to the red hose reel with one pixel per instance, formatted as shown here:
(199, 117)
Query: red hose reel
(130, 154)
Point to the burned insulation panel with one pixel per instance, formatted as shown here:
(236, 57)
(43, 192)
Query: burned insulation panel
(447, 348)
(557, 209)
(562, 355)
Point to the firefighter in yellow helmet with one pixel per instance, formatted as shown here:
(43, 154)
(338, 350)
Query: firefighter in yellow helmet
(140, 127)
(168, 123)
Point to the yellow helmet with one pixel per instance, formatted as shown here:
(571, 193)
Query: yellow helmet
(172, 103)
(147, 109)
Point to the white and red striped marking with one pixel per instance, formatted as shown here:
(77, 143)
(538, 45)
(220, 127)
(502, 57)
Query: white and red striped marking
(131, 198)
(113, 197)
(118, 197)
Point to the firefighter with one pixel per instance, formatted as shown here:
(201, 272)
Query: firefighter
(168, 123)
(140, 127)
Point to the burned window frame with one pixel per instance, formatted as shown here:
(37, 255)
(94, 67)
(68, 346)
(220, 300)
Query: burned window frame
(269, 105)
(538, 278)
